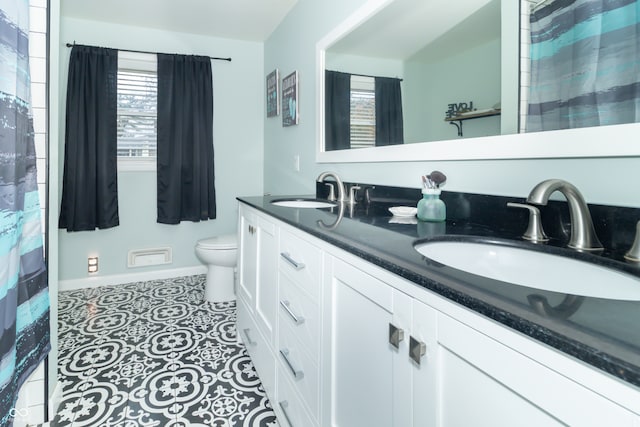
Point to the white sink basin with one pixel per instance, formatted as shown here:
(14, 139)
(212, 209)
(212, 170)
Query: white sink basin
(534, 269)
(303, 203)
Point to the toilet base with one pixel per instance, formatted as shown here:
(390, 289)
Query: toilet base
(219, 286)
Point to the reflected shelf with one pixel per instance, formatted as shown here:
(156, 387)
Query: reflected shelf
(470, 115)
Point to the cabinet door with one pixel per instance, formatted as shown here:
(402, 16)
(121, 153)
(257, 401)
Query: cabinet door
(485, 383)
(266, 282)
(424, 373)
(247, 257)
(359, 309)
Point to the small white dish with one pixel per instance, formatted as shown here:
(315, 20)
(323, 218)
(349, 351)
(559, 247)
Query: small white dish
(403, 211)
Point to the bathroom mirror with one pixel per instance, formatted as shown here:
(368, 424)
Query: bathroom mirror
(409, 39)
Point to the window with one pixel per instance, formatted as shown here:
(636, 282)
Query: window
(363, 112)
(137, 111)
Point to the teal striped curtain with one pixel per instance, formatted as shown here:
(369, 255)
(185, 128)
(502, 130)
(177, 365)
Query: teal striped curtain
(24, 295)
(585, 64)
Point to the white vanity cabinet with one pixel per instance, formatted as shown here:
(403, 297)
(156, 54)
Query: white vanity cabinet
(257, 291)
(343, 342)
(444, 372)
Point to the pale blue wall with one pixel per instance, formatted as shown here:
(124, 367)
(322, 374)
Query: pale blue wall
(238, 145)
(468, 75)
(293, 46)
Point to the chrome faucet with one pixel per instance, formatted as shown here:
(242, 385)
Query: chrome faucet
(341, 192)
(583, 235)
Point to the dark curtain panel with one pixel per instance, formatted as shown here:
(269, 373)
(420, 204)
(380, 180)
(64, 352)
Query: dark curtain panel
(90, 181)
(389, 124)
(337, 108)
(186, 189)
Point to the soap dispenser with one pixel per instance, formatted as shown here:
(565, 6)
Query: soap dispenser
(431, 208)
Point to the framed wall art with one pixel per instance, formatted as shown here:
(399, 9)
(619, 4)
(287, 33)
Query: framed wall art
(290, 99)
(273, 98)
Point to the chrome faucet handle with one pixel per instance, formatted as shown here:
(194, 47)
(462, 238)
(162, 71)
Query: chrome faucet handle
(367, 194)
(534, 231)
(633, 254)
(332, 192)
(352, 194)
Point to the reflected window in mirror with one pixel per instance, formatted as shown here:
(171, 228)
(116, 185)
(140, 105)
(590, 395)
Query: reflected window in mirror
(362, 111)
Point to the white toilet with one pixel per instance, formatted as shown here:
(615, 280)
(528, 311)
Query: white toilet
(219, 255)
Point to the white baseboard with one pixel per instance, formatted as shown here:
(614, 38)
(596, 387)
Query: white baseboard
(119, 279)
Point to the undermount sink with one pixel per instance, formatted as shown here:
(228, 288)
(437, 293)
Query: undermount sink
(533, 269)
(303, 203)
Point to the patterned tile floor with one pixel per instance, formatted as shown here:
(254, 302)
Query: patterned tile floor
(154, 354)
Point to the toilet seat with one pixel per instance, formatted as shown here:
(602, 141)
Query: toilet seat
(227, 241)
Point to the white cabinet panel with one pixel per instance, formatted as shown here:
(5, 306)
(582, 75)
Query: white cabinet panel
(500, 386)
(298, 367)
(290, 409)
(302, 262)
(361, 358)
(257, 347)
(266, 295)
(302, 314)
(424, 375)
(247, 257)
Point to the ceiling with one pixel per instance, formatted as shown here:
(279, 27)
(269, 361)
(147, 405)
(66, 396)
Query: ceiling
(405, 27)
(252, 20)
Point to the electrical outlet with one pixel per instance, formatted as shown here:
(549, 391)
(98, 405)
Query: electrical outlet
(92, 264)
(296, 162)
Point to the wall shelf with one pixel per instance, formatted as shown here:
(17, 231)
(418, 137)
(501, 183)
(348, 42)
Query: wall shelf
(459, 119)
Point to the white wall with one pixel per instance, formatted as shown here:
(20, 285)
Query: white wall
(292, 46)
(238, 150)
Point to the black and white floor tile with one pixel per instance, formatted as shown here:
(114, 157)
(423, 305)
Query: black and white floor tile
(154, 354)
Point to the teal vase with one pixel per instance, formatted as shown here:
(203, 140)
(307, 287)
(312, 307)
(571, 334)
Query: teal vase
(431, 208)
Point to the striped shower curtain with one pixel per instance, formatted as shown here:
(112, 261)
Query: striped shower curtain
(585, 67)
(24, 295)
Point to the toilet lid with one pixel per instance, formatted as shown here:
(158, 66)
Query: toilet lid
(227, 241)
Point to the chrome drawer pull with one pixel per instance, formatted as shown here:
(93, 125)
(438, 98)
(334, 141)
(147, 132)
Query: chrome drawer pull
(284, 405)
(249, 340)
(396, 335)
(298, 320)
(417, 349)
(296, 373)
(295, 264)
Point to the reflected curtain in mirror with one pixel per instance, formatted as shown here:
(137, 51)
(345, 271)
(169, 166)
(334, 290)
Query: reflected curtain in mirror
(585, 69)
(185, 139)
(389, 122)
(337, 110)
(90, 180)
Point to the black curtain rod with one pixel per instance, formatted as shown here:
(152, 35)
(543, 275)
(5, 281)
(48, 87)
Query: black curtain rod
(367, 75)
(153, 53)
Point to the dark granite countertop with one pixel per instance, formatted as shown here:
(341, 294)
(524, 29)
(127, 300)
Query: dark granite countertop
(604, 333)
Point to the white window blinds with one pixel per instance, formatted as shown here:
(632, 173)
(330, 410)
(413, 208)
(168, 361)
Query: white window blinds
(363, 112)
(137, 114)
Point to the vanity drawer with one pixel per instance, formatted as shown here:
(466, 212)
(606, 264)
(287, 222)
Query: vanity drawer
(289, 408)
(301, 313)
(302, 262)
(298, 367)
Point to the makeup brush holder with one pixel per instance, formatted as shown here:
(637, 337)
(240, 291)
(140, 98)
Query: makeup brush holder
(430, 207)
